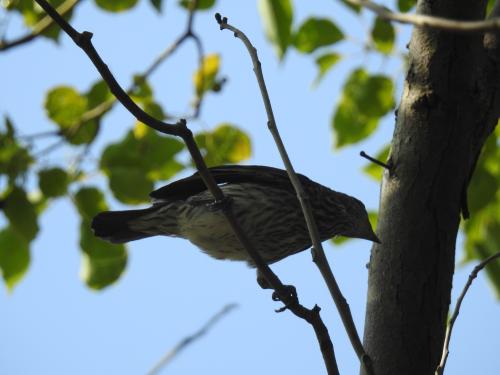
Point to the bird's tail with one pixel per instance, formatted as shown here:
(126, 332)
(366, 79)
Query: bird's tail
(131, 225)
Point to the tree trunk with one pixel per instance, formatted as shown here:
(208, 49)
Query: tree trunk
(448, 108)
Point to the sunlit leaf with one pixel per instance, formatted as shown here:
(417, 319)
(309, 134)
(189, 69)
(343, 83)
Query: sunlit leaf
(65, 106)
(33, 14)
(21, 214)
(277, 17)
(134, 164)
(130, 185)
(204, 77)
(89, 201)
(383, 35)
(325, 63)
(376, 171)
(202, 4)
(102, 262)
(116, 5)
(226, 144)
(315, 33)
(53, 182)
(365, 99)
(14, 256)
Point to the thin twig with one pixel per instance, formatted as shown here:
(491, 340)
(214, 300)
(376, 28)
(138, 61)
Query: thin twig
(186, 341)
(472, 276)
(319, 254)
(423, 20)
(40, 27)
(373, 160)
(44, 134)
(312, 316)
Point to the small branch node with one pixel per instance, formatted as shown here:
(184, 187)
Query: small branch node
(375, 161)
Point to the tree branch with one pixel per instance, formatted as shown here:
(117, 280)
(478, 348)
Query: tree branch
(186, 341)
(105, 106)
(39, 27)
(83, 40)
(423, 20)
(319, 257)
(472, 276)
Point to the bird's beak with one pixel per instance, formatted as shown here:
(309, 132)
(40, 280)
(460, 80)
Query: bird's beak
(372, 237)
(375, 238)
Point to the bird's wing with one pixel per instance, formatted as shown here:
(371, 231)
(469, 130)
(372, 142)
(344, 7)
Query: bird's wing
(186, 187)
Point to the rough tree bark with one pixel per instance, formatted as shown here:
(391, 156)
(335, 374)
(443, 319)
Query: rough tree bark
(450, 104)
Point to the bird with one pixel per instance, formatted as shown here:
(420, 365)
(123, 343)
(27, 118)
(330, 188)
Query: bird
(264, 203)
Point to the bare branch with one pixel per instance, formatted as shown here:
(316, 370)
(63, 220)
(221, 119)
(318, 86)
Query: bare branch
(188, 340)
(423, 20)
(318, 252)
(472, 276)
(188, 33)
(83, 40)
(39, 27)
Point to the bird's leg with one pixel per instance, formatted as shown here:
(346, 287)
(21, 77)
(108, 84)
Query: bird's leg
(289, 291)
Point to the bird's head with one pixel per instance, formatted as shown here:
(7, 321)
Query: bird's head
(357, 222)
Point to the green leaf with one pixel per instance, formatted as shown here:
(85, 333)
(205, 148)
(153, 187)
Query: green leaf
(14, 159)
(98, 93)
(325, 63)
(204, 77)
(21, 214)
(406, 5)
(33, 13)
(14, 256)
(116, 5)
(65, 106)
(353, 7)
(202, 4)
(53, 182)
(482, 190)
(130, 185)
(365, 99)
(383, 35)
(315, 33)
(139, 160)
(226, 144)
(277, 17)
(102, 262)
(157, 4)
(142, 89)
(89, 201)
(376, 171)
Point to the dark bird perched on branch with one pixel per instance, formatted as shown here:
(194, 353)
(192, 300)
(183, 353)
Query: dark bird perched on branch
(263, 201)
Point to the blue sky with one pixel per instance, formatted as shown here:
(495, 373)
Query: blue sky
(53, 324)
